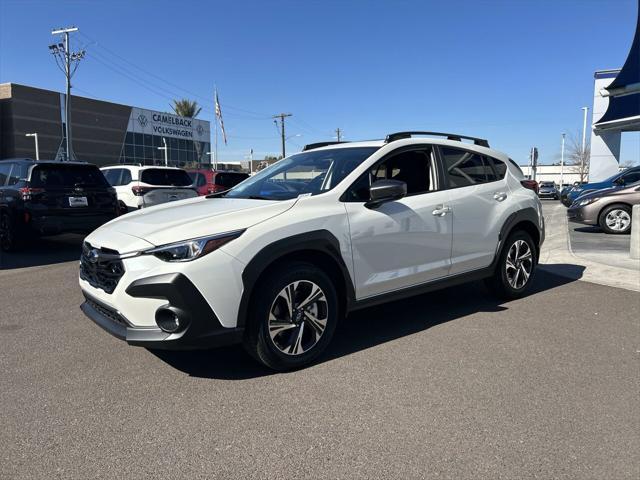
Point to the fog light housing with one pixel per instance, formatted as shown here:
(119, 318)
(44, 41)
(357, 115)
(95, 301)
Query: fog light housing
(169, 320)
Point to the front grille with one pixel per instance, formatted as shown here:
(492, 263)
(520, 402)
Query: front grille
(103, 272)
(106, 311)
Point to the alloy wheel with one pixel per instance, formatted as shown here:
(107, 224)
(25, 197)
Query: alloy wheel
(618, 220)
(298, 317)
(519, 264)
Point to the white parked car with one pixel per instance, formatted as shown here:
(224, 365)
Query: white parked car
(277, 261)
(139, 186)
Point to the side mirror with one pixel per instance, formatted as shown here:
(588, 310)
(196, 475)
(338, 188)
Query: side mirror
(384, 191)
(619, 181)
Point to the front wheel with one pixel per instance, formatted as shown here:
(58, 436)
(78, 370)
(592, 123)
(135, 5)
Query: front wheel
(616, 219)
(516, 264)
(294, 316)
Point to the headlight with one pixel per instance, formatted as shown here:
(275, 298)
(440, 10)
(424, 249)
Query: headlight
(587, 201)
(191, 249)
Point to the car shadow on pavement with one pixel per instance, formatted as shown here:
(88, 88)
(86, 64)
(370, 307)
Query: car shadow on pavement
(369, 327)
(43, 251)
(587, 229)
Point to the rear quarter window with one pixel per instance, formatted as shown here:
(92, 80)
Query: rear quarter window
(65, 176)
(165, 177)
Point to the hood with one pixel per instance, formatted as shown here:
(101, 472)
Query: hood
(192, 218)
(598, 193)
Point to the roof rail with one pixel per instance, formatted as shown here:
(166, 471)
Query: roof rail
(392, 137)
(312, 146)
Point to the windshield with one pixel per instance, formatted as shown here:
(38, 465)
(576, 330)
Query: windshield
(308, 172)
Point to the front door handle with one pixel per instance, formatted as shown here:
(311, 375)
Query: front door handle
(441, 211)
(499, 196)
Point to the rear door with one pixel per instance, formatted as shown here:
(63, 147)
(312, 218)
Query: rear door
(165, 185)
(70, 189)
(479, 206)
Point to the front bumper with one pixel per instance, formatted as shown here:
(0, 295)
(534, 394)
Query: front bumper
(548, 195)
(581, 215)
(202, 328)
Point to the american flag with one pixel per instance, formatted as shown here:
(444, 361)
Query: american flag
(219, 117)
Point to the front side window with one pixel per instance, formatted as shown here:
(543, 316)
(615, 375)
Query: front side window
(631, 177)
(312, 172)
(465, 168)
(413, 167)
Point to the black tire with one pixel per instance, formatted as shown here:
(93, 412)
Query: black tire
(9, 239)
(122, 208)
(501, 281)
(624, 212)
(258, 341)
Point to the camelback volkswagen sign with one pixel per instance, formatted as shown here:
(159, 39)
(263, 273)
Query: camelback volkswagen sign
(167, 125)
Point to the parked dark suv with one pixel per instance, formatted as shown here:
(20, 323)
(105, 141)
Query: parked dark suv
(47, 198)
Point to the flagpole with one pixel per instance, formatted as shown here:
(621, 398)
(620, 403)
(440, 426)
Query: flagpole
(215, 119)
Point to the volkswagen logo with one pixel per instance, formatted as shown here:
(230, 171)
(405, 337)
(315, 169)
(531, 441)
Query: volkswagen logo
(142, 120)
(199, 130)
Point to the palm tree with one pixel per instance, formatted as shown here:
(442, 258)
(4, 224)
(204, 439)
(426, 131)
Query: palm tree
(186, 108)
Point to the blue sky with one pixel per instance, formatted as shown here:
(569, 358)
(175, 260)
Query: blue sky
(515, 72)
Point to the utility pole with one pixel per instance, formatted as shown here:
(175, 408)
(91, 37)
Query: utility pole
(584, 144)
(282, 116)
(562, 162)
(338, 132)
(68, 62)
(35, 137)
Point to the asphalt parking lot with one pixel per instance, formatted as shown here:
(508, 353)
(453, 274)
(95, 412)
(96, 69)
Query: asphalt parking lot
(451, 384)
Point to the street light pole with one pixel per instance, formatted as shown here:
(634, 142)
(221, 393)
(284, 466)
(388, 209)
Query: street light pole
(166, 151)
(35, 137)
(584, 143)
(562, 162)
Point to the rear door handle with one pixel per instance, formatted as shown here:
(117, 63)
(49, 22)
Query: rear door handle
(499, 196)
(441, 211)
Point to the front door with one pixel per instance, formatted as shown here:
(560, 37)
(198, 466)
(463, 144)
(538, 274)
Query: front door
(404, 242)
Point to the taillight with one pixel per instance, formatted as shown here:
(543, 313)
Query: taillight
(139, 191)
(28, 192)
(530, 184)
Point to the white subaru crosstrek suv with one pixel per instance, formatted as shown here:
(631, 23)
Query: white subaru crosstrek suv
(140, 186)
(277, 261)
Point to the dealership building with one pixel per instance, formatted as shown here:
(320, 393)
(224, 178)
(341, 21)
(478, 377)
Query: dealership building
(101, 132)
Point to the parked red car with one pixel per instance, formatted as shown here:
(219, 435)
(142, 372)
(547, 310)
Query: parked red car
(208, 181)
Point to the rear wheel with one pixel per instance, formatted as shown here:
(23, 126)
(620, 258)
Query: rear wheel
(516, 264)
(616, 219)
(8, 234)
(294, 316)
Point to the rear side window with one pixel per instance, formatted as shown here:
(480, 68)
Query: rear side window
(466, 168)
(5, 169)
(165, 177)
(17, 174)
(228, 180)
(126, 177)
(113, 176)
(64, 176)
